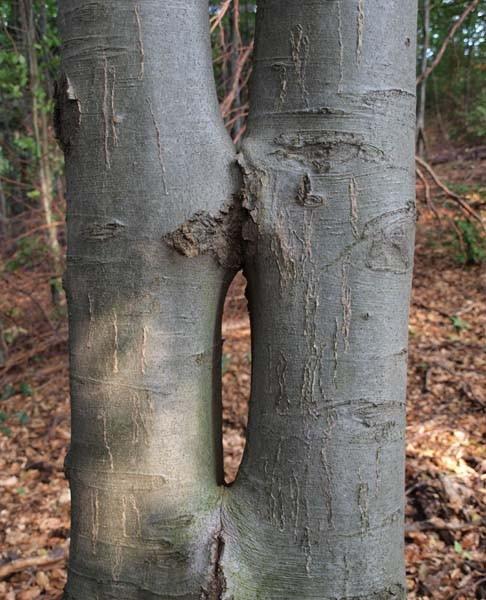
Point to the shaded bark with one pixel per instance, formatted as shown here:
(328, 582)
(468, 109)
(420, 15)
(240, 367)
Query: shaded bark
(324, 227)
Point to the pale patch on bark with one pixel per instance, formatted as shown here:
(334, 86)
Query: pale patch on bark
(281, 248)
(340, 45)
(306, 539)
(277, 516)
(335, 350)
(143, 350)
(104, 109)
(377, 470)
(95, 521)
(353, 198)
(142, 416)
(360, 30)
(117, 563)
(115, 341)
(103, 231)
(294, 487)
(311, 303)
(159, 147)
(89, 340)
(282, 71)
(299, 43)
(282, 401)
(115, 120)
(141, 49)
(363, 505)
(105, 440)
(331, 418)
(346, 301)
(129, 502)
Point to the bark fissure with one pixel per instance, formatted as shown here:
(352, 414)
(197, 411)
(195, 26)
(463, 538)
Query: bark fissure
(217, 584)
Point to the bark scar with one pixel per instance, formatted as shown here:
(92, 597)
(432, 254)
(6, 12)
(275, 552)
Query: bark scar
(219, 235)
(305, 195)
(67, 113)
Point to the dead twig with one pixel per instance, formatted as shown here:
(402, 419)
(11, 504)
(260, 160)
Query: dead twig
(428, 197)
(34, 301)
(47, 560)
(229, 99)
(216, 20)
(439, 526)
(22, 357)
(439, 183)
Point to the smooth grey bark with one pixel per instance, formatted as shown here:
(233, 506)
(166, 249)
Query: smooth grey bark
(324, 229)
(145, 150)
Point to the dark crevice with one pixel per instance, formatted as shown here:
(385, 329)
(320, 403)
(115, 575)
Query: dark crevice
(216, 586)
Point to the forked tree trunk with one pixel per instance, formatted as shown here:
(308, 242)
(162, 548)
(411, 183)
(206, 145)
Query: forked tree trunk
(323, 227)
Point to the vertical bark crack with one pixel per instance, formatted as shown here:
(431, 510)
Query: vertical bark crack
(216, 586)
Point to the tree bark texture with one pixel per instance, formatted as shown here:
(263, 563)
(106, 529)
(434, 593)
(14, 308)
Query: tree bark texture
(319, 211)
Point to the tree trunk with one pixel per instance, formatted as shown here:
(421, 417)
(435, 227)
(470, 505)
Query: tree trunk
(324, 228)
(4, 222)
(40, 131)
(422, 91)
(235, 72)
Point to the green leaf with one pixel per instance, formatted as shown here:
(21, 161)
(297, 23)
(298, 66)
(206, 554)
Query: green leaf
(23, 417)
(459, 324)
(25, 389)
(7, 392)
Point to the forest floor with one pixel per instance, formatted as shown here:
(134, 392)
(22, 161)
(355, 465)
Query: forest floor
(446, 458)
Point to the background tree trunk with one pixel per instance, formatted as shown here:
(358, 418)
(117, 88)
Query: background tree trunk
(326, 218)
(422, 88)
(40, 131)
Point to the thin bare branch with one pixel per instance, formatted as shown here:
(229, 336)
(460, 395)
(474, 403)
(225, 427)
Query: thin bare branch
(452, 31)
(439, 183)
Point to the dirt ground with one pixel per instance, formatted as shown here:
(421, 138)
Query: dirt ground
(446, 458)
